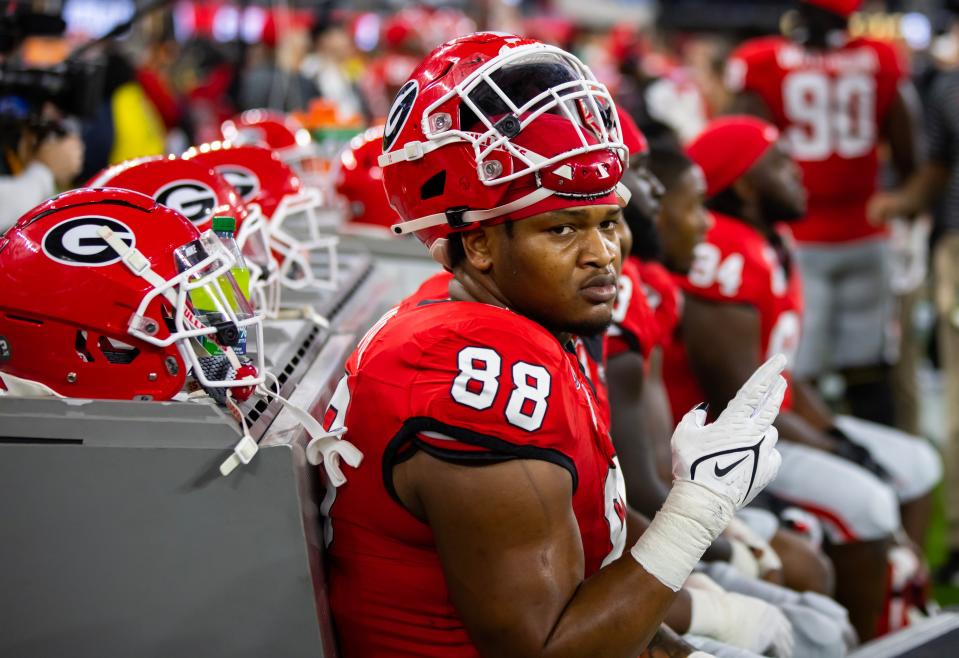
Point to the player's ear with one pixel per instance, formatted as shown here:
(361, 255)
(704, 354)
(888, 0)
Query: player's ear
(478, 249)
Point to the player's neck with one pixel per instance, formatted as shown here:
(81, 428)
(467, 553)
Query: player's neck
(751, 213)
(469, 286)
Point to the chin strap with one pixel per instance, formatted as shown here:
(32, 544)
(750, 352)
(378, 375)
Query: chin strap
(326, 448)
(134, 259)
(416, 150)
(246, 447)
(472, 216)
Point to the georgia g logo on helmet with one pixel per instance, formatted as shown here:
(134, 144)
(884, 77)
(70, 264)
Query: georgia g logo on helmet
(190, 198)
(399, 112)
(244, 181)
(76, 242)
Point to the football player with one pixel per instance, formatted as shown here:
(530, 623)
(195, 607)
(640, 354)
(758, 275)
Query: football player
(743, 301)
(836, 98)
(726, 635)
(488, 516)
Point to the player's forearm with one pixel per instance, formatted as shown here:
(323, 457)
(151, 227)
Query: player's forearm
(793, 427)
(642, 588)
(645, 491)
(923, 188)
(902, 130)
(616, 612)
(809, 404)
(618, 609)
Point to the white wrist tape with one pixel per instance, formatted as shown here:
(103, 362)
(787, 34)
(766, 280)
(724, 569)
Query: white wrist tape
(689, 521)
(701, 654)
(707, 614)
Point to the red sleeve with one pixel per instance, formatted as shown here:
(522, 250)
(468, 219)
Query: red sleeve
(664, 299)
(634, 327)
(493, 387)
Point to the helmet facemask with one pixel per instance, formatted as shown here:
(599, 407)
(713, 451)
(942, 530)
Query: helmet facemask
(505, 96)
(543, 132)
(296, 236)
(226, 326)
(253, 238)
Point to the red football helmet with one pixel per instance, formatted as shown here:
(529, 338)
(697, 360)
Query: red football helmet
(280, 132)
(198, 193)
(360, 182)
(95, 301)
(295, 214)
(491, 126)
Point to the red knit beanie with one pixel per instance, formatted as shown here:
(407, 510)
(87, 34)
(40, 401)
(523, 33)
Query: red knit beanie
(728, 147)
(842, 7)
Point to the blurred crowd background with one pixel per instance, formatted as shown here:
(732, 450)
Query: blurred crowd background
(187, 66)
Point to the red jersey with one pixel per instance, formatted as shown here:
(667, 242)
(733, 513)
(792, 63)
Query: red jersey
(737, 264)
(634, 326)
(591, 353)
(664, 298)
(829, 106)
(459, 380)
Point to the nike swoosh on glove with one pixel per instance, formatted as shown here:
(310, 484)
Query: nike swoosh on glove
(736, 455)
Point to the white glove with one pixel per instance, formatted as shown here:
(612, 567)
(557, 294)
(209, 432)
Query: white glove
(735, 456)
(742, 621)
(745, 544)
(718, 467)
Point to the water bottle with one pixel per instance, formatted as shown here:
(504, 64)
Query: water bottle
(225, 229)
(237, 296)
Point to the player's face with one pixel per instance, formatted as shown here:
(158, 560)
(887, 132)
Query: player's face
(625, 243)
(683, 220)
(778, 182)
(646, 190)
(559, 268)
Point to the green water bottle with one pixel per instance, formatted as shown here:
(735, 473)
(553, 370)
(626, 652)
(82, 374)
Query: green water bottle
(225, 229)
(237, 296)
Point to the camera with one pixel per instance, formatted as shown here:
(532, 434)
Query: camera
(74, 86)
